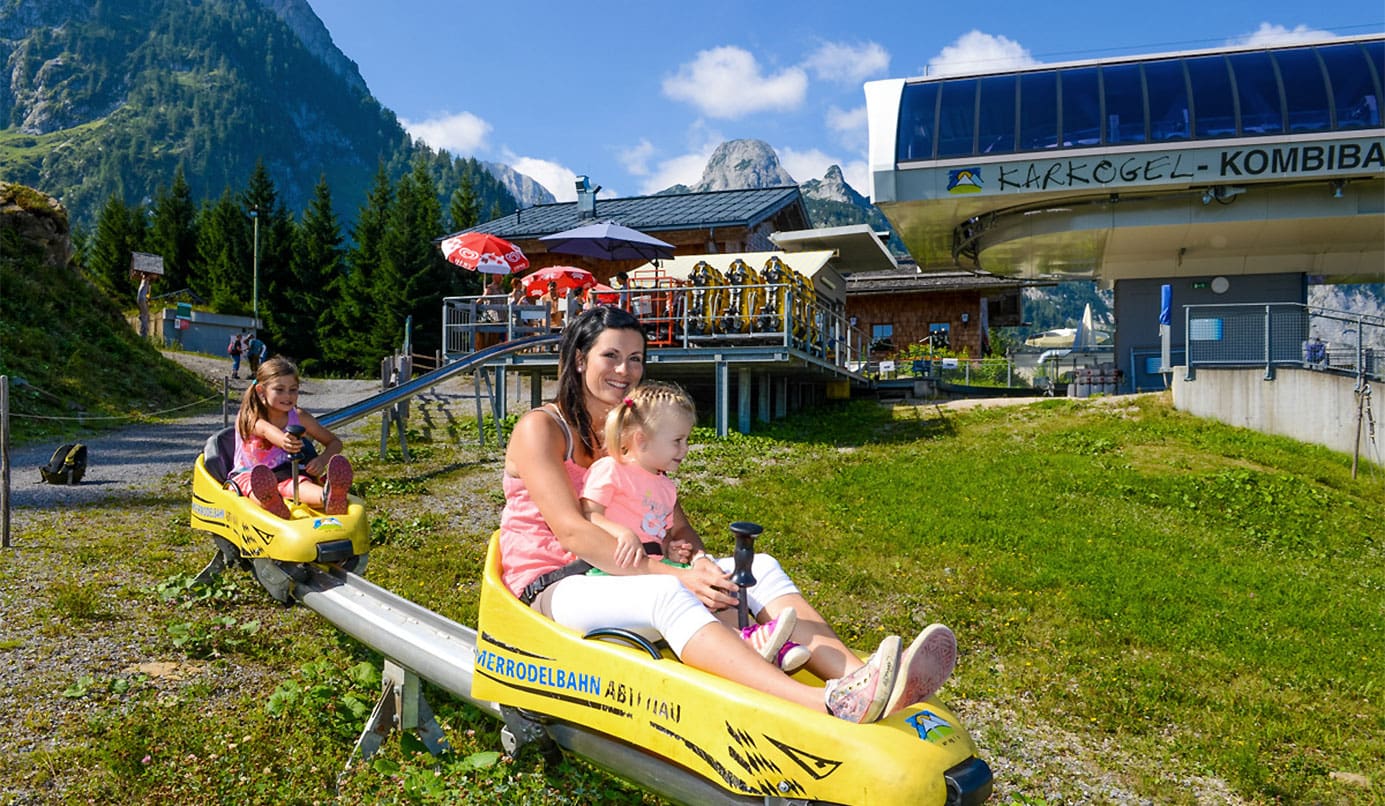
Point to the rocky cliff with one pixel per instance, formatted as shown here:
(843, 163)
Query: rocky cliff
(743, 164)
(33, 221)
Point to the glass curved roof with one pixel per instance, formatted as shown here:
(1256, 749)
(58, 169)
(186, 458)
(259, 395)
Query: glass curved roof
(1326, 87)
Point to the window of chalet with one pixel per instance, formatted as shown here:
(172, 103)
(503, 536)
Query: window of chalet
(882, 337)
(940, 334)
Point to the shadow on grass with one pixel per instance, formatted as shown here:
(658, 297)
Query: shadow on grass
(857, 423)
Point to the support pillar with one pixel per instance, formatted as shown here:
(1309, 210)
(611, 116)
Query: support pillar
(723, 393)
(743, 400)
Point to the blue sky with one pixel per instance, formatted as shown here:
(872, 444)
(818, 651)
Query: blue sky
(637, 95)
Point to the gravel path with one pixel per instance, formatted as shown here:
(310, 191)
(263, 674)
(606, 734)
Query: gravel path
(129, 460)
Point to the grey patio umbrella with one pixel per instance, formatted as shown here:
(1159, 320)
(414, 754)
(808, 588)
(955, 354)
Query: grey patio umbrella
(608, 240)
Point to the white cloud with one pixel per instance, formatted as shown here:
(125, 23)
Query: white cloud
(635, 159)
(1268, 34)
(726, 82)
(975, 51)
(560, 180)
(685, 169)
(849, 125)
(463, 134)
(848, 64)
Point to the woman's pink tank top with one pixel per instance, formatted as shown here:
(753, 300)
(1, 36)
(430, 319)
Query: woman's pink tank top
(528, 547)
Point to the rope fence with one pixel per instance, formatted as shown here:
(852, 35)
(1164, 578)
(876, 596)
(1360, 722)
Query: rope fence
(81, 418)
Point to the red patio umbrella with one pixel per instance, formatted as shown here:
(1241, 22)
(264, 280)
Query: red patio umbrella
(605, 295)
(536, 282)
(483, 252)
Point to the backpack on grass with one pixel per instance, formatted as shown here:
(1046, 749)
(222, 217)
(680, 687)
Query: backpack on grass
(68, 465)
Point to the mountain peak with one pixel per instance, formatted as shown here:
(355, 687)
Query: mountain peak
(833, 187)
(740, 164)
(316, 39)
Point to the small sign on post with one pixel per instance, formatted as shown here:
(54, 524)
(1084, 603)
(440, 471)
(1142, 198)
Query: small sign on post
(145, 268)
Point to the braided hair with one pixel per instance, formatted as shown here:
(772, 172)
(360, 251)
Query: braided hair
(578, 338)
(648, 404)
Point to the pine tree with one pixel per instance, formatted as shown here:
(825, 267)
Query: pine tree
(120, 230)
(404, 264)
(277, 293)
(223, 247)
(462, 208)
(173, 234)
(350, 344)
(317, 263)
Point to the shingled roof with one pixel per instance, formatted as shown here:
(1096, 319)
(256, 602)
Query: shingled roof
(652, 214)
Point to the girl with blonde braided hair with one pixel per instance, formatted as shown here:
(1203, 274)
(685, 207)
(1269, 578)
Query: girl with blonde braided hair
(629, 494)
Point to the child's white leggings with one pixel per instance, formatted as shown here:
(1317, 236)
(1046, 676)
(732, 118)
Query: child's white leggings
(654, 601)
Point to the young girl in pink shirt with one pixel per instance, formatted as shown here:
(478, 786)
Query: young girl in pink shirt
(629, 494)
(263, 469)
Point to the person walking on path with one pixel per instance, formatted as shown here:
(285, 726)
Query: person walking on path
(235, 349)
(255, 352)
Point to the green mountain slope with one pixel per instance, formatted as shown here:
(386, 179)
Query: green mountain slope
(110, 97)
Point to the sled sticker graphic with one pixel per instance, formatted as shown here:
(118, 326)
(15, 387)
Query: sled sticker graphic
(930, 726)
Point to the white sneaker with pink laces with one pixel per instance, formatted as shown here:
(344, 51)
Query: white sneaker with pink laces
(770, 637)
(793, 657)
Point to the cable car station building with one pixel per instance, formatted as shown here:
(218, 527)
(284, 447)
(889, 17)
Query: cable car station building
(1235, 175)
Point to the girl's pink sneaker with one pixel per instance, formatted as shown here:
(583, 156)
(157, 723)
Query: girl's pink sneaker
(336, 485)
(769, 638)
(924, 667)
(264, 490)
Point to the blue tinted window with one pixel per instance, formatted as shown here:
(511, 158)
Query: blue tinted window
(1169, 116)
(1375, 54)
(1081, 107)
(995, 129)
(1125, 103)
(1305, 90)
(917, 108)
(1257, 89)
(1353, 87)
(957, 118)
(1214, 112)
(1038, 111)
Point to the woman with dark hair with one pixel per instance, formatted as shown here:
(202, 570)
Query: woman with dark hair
(547, 545)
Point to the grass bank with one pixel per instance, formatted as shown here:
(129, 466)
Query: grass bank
(1149, 606)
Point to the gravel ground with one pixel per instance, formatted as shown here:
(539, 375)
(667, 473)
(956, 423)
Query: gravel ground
(129, 460)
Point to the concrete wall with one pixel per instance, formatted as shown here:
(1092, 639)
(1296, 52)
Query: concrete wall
(1307, 405)
(208, 333)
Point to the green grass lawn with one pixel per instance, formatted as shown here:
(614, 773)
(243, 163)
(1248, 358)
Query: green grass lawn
(1139, 596)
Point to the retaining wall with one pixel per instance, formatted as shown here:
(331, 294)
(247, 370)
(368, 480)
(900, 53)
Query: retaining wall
(1308, 405)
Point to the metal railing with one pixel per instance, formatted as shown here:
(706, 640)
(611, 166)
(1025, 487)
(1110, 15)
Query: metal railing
(679, 317)
(1281, 334)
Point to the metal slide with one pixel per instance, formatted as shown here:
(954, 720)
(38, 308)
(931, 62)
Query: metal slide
(389, 397)
(443, 652)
